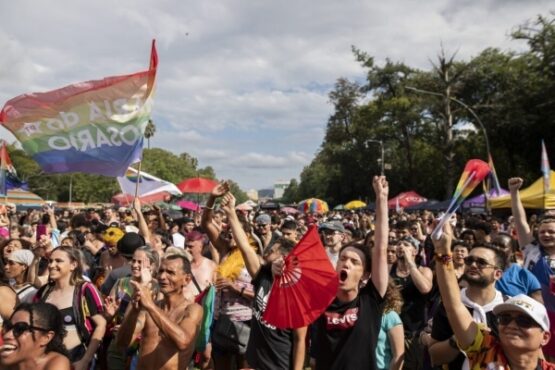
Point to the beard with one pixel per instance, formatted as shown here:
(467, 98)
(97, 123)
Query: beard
(478, 281)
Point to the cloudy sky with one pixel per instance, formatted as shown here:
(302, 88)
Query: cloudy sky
(242, 85)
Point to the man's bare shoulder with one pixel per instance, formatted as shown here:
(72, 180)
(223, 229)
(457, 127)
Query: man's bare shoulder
(193, 312)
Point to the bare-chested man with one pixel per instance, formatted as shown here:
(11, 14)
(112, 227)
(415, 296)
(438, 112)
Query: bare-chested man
(202, 268)
(169, 327)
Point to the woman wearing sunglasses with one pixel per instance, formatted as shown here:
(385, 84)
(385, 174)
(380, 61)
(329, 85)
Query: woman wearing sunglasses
(33, 339)
(523, 324)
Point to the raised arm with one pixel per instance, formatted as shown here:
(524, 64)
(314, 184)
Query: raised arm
(521, 225)
(458, 315)
(206, 219)
(143, 227)
(252, 263)
(133, 322)
(380, 271)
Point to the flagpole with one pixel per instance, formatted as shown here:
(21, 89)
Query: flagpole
(138, 179)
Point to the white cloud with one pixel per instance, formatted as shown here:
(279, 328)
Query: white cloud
(241, 85)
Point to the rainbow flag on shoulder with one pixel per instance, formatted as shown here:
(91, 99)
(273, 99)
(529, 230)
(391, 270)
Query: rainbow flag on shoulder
(92, 127)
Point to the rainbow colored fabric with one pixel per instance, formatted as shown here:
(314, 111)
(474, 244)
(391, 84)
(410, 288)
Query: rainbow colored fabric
(475, 171)
(206, 300)
(92, 127)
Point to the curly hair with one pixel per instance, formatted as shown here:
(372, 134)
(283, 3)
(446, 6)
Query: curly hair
(393, 299)
(47, 316)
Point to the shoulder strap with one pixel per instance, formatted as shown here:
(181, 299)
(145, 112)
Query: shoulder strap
(79, 301)
(196, 283)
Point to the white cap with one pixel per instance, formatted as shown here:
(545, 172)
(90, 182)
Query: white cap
(526, 305)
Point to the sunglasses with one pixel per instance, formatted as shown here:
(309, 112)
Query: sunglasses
(480, 262)
(19, 328)
(522, 321)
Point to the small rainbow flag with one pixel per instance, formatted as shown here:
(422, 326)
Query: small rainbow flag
(92, 127)
(474, 172)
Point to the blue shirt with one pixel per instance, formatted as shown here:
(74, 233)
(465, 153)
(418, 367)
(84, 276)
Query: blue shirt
(517, 280)
(383, 348)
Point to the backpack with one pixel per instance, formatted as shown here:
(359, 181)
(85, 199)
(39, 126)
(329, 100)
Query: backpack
(81, 310)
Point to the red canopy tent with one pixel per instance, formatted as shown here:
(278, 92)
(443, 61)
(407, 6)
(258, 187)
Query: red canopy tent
(124, 200)
(406, 199)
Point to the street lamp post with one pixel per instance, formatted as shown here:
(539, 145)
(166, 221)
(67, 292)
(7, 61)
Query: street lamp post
(382, 151)
(464, 106)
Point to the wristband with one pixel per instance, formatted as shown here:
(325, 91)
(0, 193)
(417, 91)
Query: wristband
(444, 259)
(210, 208)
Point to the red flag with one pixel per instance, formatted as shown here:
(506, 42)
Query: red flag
(306, 287)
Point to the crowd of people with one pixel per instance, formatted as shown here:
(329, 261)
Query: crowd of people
(122, 288)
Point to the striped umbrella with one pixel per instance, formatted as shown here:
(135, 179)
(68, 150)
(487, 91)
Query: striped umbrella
(313, 205)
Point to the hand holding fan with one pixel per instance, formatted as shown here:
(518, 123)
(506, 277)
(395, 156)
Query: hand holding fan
(307, 285)
(474, 172)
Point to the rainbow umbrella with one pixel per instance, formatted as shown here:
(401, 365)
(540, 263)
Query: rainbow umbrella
(354, 204)
(313, 205)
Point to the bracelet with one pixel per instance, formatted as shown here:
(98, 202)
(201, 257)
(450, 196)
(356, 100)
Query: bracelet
(210, 208)
(444, 259)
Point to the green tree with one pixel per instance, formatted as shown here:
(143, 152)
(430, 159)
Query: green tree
(150, 130)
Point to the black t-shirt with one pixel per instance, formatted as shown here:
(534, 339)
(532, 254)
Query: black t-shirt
(441, 330)
(268, 347)
(348, 331)
(413, 313)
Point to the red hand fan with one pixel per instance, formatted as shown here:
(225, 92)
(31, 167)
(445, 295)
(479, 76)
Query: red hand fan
(306, 287)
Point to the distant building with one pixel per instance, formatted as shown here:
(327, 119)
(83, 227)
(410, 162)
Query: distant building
(253, 195)
(279, 188)
(265, 194)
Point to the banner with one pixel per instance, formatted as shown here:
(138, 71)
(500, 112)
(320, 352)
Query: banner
(92, 127)
(148, 184)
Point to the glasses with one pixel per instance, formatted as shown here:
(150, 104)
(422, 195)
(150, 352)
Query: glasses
(331, 232)
(522, 321)
(261, 225)
(19, 328)
(480, 262)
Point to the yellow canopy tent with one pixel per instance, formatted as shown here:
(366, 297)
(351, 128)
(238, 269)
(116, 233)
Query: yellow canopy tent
(532, 197)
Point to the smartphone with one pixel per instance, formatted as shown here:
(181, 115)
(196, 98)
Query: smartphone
(41, 230)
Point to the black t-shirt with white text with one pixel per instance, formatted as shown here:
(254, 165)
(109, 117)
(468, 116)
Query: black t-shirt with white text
(347, 332)
(268, 347)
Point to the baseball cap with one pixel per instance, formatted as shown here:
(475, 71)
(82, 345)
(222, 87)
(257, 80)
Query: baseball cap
(23, 256)
(526, 305)
(263, 219)
(333, 225)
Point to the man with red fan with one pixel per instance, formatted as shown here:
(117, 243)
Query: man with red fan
(350, 325)
(268, 346)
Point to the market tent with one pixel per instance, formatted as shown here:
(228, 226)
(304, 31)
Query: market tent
(406, 199)
(22, 199)
(479, 201)
(532, 197)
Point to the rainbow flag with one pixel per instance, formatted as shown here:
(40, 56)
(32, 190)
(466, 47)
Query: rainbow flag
(8, 175)
(475, 171)
(206, 300)
(92, 127)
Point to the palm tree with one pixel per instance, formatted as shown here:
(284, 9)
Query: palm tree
(150, 130)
